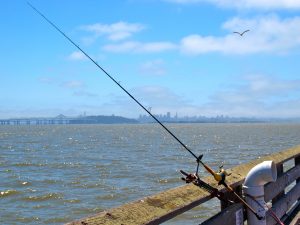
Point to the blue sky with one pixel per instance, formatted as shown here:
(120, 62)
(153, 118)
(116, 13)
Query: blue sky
(172, 55)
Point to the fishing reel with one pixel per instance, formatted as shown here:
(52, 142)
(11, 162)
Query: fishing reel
(220, 176)
(189, 177)
(195, 179)
(192, 177)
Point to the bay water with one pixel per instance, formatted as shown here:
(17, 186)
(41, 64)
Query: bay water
(53, 174)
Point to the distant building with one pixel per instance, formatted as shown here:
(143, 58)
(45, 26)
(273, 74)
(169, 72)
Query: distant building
(168, 115)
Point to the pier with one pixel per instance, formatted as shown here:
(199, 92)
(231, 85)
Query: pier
(283, 196)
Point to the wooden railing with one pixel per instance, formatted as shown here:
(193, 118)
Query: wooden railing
(284, 194)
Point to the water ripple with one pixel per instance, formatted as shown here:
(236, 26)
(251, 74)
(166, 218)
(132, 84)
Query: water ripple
(55, 174)
(8, 193)
(44, 197)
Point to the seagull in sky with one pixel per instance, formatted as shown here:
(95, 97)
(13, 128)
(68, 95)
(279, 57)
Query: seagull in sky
(241, 34)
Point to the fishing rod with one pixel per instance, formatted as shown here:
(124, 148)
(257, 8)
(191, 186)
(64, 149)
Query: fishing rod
(113, 79)
(220, 177)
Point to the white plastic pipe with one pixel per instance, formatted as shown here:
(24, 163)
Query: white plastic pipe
(253, 186)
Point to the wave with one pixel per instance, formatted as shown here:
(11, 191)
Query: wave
(45, 197)
(25, 164)
(168, 180)
(27, 220)
(9, 193)
(109, 197)
(72, 201)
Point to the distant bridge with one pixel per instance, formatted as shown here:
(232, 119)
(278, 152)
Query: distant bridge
(36, 121)
(61, 119)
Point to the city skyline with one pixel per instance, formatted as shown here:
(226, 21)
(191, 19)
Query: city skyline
(143, 118)
(173, 56)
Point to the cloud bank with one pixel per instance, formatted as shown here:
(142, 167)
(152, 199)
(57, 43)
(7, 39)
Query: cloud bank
(246, 4)
(268, 34)
(251, 96)
(257, 95)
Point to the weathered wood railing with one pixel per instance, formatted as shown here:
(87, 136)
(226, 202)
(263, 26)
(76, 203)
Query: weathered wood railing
(166, 205)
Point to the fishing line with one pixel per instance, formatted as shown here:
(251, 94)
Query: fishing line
(198, 159)
(111, 77)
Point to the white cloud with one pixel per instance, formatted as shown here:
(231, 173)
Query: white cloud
(157, 95)
(149, 96)
(268, 34)
(158, 98)
(77, 56)
(246, 4)
(114, 32)
(83, 93)
(259, 87)
(155, 67)
(265, 86)
(73, 84)
(255, 95)
(47, 80)
(258, 96)
(138, 47)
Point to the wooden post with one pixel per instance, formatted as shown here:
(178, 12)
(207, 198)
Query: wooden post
(231, 197)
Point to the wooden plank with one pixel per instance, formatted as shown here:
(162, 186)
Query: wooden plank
(292, 215)
(166, 205)
(153, 209)
(284, 204)
(232, 215)
(297, 162)
(275, 188)
(279, 174)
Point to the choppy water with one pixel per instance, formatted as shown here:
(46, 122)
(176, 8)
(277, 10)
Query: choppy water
(54, 174)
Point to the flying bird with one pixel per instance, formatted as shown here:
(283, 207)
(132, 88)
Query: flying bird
(241, 34)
